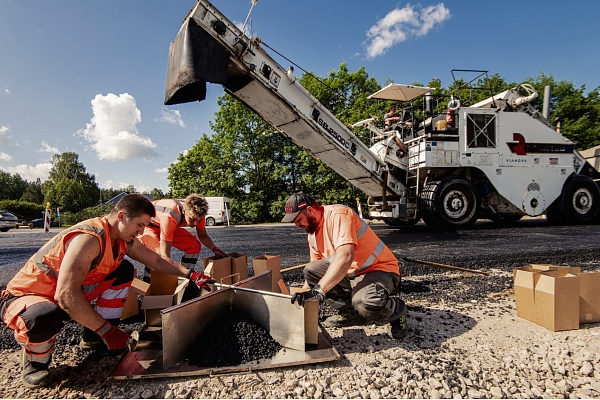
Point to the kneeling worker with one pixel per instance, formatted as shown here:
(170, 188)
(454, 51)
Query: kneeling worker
(350, 268)
(80, 264)
(166, 230)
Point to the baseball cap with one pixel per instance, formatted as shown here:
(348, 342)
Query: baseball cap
(296, 203)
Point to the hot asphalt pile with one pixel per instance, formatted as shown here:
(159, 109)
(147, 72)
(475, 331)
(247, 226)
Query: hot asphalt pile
(464, 341)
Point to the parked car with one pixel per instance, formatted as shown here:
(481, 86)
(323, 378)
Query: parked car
(39, 223)
(7, 221)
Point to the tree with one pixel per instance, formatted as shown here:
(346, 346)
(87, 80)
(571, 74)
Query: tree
(578, 113)
(68, 194)
(33, 193)
(157, 194)
(12, 187)
(67, 173)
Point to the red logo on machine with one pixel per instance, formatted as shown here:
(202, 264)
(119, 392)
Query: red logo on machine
(522, 148)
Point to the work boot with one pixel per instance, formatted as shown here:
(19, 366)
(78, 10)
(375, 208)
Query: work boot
(396, 329)
(34, 374)
(343, 319)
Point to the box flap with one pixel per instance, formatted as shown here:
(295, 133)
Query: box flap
(161, 301)
(140, 287)
(162, 284)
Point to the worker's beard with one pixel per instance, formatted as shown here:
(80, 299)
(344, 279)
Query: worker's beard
(312, 225)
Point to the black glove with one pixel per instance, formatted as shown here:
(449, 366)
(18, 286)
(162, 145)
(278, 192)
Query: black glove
(302, 297)
(200, 280)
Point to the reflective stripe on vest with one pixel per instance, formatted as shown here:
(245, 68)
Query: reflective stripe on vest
(359, 233)
(176, 213)
(39, 256)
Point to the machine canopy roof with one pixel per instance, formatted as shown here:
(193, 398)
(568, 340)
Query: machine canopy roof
(399, 92)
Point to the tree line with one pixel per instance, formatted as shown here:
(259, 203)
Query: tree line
(257, 168)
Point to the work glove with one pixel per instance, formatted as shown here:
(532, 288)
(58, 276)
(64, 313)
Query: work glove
(218, 253)
(302, 297)
(200, 280)
(113, 337)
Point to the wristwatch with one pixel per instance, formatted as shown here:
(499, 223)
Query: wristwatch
(317, 288)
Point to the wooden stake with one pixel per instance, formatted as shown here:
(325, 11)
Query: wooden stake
(445, 266)
(293, 268)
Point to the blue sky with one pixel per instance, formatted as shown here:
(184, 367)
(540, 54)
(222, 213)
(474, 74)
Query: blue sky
(89, 76)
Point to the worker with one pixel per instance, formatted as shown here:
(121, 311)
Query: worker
(81, 264)
(166, 230)
(391, 117)
(350, 268)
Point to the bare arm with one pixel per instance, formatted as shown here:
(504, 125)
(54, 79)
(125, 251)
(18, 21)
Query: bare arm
(160, 263)
(76, 264)
(204, 238)
(344, 256)
(165, 248)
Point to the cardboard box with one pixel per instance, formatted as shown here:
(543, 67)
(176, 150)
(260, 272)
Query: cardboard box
(239, 265)
(311, 319)
(131, 303)
(165, 291)
(589, 297)
(548, 295)
(557, 300)
(219, 269)
(269, 263)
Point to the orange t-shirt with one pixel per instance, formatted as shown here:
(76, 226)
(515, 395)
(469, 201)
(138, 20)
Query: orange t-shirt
(340, 226)
(169, 217)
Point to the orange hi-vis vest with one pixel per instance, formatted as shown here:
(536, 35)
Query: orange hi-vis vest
(341, 225)
(40, 274)
(169, 217)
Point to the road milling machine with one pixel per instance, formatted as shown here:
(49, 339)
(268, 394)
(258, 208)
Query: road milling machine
(498, 159)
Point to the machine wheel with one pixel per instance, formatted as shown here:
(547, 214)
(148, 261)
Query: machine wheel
(506, 219)
(400, 223)
(580, 199)
(555, 215)
(210, 221)
(452, 203)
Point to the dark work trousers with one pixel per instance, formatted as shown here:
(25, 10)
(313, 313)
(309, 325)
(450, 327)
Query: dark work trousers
(370, 294)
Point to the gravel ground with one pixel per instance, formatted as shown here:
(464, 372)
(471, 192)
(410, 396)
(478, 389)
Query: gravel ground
(464, 338)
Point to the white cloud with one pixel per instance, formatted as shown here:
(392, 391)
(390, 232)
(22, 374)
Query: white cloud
(7, 91)
(164, 170)
(5, 157)
(47, 149)
(112, 130)
(31, 173)
(4, 134)
(171, 117)
(402, 23)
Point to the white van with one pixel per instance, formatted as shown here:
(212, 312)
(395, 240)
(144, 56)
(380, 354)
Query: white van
(219, 211)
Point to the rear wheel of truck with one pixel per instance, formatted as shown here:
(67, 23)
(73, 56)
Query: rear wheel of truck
(580, 199)
(452, 203)
(210, 221)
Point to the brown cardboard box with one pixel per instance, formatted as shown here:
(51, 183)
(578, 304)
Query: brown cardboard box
(557, 300)
(165, 291)
(311, 319)
(589, 297)
(219, 269)
(548, 295)
(265, 263)
(131, 303)
(239, 265)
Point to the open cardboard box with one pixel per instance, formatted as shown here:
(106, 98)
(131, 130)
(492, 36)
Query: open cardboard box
(557, 297)
(266, 263)
(227, 270)
(162, 292)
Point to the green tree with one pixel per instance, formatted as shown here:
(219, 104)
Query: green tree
(577, 112)
(157, 194)
(12, 187)
(68, 194)
(68, 173)
(33, 193)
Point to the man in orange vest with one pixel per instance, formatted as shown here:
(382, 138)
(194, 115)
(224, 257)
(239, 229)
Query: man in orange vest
(350, 268)
(81, 264)
(166, 230)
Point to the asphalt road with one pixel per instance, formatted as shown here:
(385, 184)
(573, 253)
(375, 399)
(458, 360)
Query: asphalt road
(484, 247)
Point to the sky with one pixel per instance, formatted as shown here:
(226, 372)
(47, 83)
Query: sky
(89, 76)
